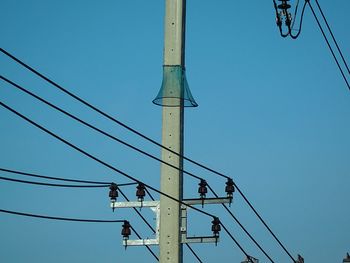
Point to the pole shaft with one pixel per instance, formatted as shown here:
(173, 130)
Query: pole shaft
(172, 138)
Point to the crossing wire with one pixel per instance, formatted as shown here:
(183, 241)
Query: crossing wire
(114, 168)
(240, 224)
(94, 108)
(329, 45)
(130, 146)
(333, 37)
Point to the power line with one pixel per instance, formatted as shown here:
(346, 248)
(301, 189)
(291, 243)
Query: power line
(55, 185)
(300, 23)
(61, 218)
(62, 179)
(103, 113)
(335, 41)
(52, 178)
(130, 146)
(98, 160)
(70, 219)
(240, 224)
(113, 168)
(146, 138)
(235, 241)
(148, 248)
(329, 45)
(94, 127)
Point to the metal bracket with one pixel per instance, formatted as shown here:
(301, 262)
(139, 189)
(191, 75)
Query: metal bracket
(198, 201)
(155, 207)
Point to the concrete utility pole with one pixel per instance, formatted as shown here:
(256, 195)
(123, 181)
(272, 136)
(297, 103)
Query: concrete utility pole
(174, 95)
(170, 247)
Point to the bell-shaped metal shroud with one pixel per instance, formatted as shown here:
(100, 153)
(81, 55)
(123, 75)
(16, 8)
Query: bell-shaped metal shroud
(174, 91)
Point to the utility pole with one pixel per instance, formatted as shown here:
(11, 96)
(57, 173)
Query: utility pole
(170, 247)
(174, 96)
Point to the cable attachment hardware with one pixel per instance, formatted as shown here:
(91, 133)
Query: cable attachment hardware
(216, 228)
(140, 193)
(113, 194)
(229, 189)
(126, 232)
(202, 190)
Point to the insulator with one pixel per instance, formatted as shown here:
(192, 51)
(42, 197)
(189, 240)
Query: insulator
(126, 231)
(202, 189)
(300, 259)
(140, 192)
(230, 188)
(284, 5)
(216, 227)
(113, 193)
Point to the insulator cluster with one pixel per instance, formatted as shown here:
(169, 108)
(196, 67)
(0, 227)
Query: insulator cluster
(203, 189)
(113, 193)
(283, 7)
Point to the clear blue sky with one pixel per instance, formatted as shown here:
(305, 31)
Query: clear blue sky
(273, 114)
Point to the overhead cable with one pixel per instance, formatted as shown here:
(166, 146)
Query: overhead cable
(114, 168)
(52, 178)
(333, 37)
(103, 184)
(241, 226)
(71, 220)
(61, 218)
(98, 160)
(55, 185)
(94, 127)
(329, 45)
(147, 247)
(130, 146)
(105, 114)
(146, 138)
